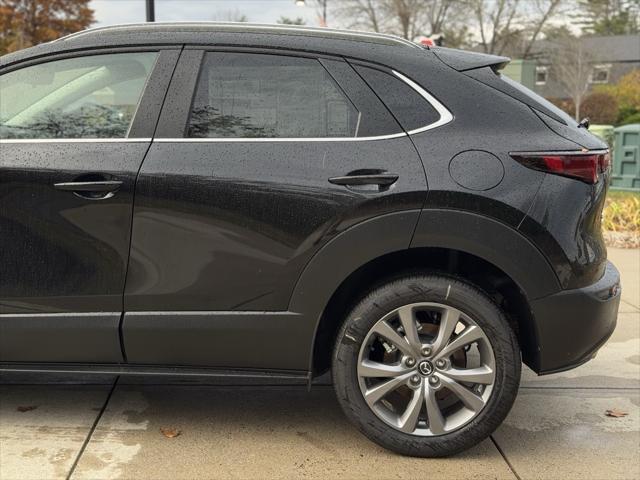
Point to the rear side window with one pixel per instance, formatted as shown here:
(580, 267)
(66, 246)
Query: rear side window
(244, 95)
(86, 97)
(409, 108)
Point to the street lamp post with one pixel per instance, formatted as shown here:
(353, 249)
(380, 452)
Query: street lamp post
(324, 12)
(151, 10)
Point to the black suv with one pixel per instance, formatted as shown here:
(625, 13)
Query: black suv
(274, 202)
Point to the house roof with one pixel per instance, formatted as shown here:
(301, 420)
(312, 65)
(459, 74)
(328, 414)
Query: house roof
(615, 48)
(608, 49)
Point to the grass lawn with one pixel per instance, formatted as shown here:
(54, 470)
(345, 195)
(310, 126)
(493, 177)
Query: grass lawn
(621, 219)
(622, 194)
(622, 211)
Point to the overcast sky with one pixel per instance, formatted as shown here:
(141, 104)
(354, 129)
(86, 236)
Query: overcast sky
(109, 12)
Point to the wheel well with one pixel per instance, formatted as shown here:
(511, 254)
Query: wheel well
(493, 281)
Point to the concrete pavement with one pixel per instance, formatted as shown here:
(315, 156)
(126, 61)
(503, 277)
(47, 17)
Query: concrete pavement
(557, 428)
(249, 433)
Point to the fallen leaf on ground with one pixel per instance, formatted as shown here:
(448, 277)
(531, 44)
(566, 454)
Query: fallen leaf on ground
(615, 413)
(26, 408)
(170, 432)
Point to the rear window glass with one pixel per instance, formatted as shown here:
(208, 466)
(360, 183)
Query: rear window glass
(409, 108)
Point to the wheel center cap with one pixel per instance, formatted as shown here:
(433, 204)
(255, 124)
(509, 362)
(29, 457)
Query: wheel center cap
(425, 367)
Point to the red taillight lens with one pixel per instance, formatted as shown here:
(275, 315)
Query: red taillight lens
(585, 166)
(604, 162)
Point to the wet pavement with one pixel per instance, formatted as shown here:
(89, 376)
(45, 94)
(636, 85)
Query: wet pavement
(557, 429)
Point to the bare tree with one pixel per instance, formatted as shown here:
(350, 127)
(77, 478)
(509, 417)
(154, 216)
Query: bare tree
(512, 25)
(571, 68)
(407, 18)
(439, 14)
(500, 26)
(363, 14)
(544, 10)
(321, 7)
(495, 22)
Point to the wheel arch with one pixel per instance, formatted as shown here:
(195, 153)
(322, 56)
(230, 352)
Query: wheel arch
(499, 244)
(493, 256)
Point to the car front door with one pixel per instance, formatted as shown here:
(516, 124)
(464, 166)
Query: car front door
(242, 185)
(74, 131)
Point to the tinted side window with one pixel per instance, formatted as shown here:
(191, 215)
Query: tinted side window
(85, 97)
(375, 118)
(411, 109)
(254, 95)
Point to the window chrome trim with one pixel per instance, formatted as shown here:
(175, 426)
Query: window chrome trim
(278, 139)
(74, 140)
(445, 115)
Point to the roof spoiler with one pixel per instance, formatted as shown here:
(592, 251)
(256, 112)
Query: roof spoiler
(461, 60)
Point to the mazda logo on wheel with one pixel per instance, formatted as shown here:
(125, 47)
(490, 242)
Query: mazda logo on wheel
(426, 368)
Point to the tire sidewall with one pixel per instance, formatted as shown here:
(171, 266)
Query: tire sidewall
(436, 289)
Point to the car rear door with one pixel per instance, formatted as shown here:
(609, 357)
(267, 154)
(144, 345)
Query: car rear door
(74, 130)
(274, 155)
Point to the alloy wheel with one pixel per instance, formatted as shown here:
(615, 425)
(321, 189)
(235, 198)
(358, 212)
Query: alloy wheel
(426, 369)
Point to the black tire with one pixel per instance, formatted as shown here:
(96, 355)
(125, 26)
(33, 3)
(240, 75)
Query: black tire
(443, 290)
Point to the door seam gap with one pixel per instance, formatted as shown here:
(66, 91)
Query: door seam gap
(123, 352)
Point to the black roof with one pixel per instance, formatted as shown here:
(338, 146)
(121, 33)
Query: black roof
(340, 42)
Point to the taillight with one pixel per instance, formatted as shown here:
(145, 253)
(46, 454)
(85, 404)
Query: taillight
(585, 166)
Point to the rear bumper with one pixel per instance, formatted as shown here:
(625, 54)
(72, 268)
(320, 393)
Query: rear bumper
(573, 324)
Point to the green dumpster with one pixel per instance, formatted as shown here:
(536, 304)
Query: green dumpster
(605, 132)
(626, 158)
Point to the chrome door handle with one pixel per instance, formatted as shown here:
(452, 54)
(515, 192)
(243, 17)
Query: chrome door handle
(91, 190)
(382, 179)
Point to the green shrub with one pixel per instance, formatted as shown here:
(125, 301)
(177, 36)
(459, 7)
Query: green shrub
(600, 108)
(632, 118)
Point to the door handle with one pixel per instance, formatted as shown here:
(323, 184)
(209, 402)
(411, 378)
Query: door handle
(93, 190)
(100, 186)
(380, 179)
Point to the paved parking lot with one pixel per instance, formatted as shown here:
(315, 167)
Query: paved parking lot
(556, 430)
